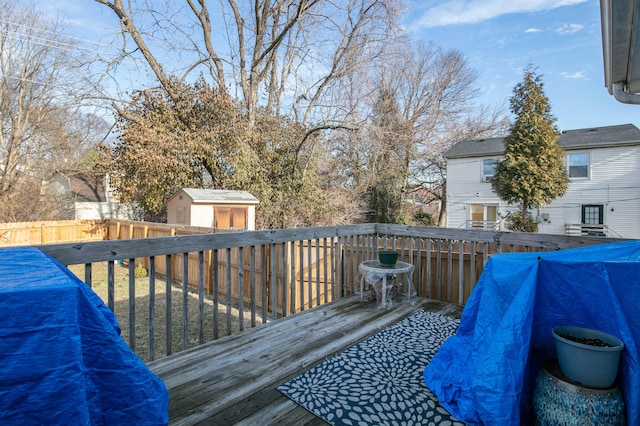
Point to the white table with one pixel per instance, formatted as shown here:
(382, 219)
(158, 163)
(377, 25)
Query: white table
(378, 276)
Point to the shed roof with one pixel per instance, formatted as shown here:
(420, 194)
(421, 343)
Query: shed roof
(593, 137)
(202, 195)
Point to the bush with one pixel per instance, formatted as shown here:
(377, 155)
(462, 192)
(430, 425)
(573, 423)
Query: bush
(424, 219)
(140, 272)
(519, 223)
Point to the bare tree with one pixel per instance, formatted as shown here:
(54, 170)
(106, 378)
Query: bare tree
(422, 100)
(42, 124)
(284, 55)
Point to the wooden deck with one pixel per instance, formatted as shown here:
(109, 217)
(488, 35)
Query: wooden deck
(233, 380)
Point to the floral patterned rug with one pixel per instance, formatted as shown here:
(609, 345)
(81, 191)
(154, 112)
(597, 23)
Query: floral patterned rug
(380, 380)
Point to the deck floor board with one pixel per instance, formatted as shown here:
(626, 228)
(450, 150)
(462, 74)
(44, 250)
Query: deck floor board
(233, 380)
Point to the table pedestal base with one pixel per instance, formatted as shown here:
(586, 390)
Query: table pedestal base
(557, 401)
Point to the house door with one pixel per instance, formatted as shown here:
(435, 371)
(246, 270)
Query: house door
(483, 216)
(477, 215)
(592, 214)
(593, 220)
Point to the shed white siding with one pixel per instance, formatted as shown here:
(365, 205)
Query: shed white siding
(201, 207)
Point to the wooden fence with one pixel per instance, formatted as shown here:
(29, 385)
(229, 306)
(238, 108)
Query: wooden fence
(55, 232)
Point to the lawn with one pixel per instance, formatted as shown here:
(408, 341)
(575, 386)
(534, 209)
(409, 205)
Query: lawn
(142, 304)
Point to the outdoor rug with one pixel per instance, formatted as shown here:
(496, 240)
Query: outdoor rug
(380, 380)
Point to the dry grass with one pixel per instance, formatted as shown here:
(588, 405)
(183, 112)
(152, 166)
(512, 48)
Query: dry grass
(142, 311)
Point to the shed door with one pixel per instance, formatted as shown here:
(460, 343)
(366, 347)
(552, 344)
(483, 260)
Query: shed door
(230, 217)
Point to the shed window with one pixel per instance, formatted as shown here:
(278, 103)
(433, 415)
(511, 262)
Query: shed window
(180, 214)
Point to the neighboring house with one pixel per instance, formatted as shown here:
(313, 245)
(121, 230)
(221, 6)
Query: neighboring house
(91, 197)
(603, 197)
(213, 208)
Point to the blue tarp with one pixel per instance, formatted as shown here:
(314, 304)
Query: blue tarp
(62, 360)
(485, 374)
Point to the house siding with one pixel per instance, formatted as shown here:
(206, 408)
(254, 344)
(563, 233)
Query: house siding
(465, 187)
(613, 183)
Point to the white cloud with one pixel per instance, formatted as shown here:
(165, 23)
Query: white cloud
(532, 30)
(452, 12)
(569, 29)
(574, 76)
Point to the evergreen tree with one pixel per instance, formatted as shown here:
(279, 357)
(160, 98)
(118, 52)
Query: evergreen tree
(532, 172)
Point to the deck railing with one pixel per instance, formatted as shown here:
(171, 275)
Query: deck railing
(242, 279)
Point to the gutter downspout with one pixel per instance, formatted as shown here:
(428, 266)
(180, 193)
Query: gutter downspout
(623, 96)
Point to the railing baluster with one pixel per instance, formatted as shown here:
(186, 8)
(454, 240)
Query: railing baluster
(132, 304)
(168, 307)
(87, 274)
(229, 289)
(439, 269)
(111, 303)
(340, 268)
(252, 271)
(240, 288)
(263, 283)
(201, 297)
(334, 285)
(292, 274)
(283, 292)
(309, 279)
(301, 273)
(325, 261)
(461, 272)
(185, 301)
(428, 278)
(449, 271)
(273, 284)
(349, 281)
(317, 270)
(215, 289)
(152, 308)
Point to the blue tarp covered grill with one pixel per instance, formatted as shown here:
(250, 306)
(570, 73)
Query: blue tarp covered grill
(62, 360)
(486, 373)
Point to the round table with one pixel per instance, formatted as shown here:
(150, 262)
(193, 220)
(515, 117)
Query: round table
(384, 279)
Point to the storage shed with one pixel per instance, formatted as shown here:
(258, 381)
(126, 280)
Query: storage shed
(213, 208)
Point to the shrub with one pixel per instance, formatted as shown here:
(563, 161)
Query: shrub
(140, 271)
(516, 222)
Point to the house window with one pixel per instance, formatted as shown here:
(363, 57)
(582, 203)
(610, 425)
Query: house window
(578, 166)
(488, 169)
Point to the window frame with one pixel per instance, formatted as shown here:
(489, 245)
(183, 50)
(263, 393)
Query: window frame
(588, 165)
(586, 213)
(487, 177)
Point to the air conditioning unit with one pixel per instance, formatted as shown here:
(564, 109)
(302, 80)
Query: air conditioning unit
(487, 178)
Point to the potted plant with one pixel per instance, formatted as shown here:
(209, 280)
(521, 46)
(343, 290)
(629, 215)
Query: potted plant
(388, 257)
(588, 356)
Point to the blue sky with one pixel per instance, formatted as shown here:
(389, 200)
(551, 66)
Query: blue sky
(561, 38)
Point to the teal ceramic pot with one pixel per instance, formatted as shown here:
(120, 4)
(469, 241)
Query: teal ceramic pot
(388, 257)
(588, 356)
